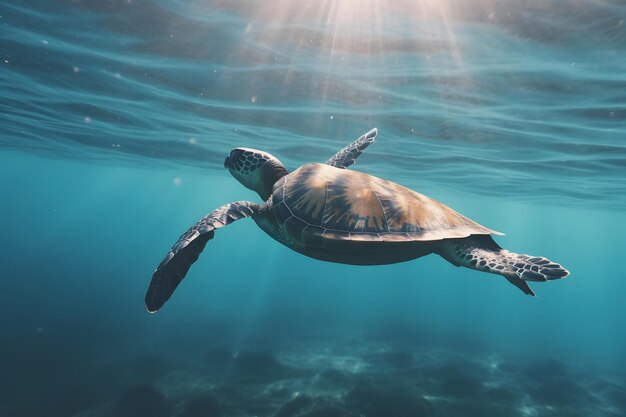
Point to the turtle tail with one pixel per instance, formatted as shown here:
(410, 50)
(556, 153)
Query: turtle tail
(481, 253)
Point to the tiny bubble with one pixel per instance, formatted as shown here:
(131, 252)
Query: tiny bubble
(178, 181)
(253, 99)
(332, 117)
(6, 61)
(612, 114)
(76, 70)
(193, 141)
(87, 119)
(45, 42)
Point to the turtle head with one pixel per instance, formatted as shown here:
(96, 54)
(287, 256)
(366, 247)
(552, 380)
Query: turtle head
(256, 170)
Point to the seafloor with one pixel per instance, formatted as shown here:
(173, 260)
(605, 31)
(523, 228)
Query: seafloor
(354, 377)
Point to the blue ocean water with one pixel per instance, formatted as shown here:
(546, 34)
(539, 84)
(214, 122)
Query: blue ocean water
(115, 117)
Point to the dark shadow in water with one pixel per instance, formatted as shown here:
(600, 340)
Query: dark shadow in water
(142, 400)
(203, 405)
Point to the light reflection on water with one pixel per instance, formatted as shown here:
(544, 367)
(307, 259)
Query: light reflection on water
(524, 99)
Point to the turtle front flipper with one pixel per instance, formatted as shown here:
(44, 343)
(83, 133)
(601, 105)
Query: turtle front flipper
(348, 155)
(481, 253)
(185, 252)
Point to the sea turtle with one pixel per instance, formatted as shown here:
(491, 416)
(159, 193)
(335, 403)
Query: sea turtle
(330, 213)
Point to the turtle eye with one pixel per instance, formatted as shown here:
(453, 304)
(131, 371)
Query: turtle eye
(234, 156)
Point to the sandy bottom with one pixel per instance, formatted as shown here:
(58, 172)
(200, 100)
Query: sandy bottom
(331, 379)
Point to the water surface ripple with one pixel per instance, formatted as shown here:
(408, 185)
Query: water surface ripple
(518, 99)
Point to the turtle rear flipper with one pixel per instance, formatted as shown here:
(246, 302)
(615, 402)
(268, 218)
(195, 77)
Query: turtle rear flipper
(521, 284)
(481, 253)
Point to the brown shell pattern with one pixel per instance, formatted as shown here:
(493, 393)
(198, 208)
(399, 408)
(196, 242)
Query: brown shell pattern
(346, 204)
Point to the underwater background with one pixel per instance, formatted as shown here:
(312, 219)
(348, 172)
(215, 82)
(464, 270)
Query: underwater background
(116, 116)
